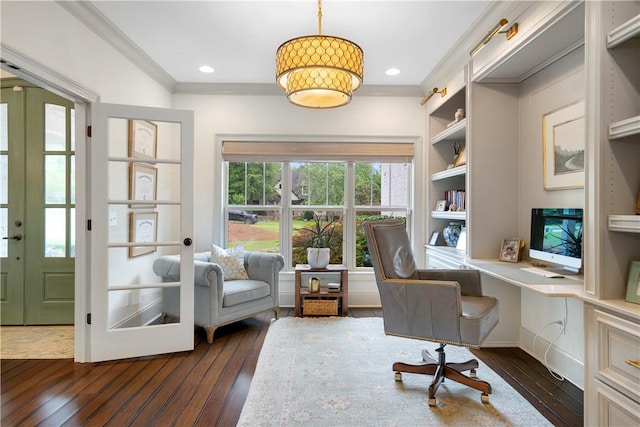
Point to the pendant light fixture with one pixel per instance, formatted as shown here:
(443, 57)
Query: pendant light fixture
(319, 71)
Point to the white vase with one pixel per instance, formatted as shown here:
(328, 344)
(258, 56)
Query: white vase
(459, 115)
(318, 257)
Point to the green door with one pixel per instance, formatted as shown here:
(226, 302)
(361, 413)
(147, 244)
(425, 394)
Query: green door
(37, 206)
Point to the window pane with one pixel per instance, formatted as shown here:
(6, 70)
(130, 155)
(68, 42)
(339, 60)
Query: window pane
(72, 172)
(72, 114)
(55, 179)
(320, 229)
(381, 184)
(254, 183)
(4, 178)
(318, 183)
(4, 231)
(55, 233)
(4, 128)
(255, 230)
(362, 251)
(55, 127)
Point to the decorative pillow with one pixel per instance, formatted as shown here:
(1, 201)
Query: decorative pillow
(231, 260)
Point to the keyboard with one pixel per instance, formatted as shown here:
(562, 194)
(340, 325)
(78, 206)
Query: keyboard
(541, 272)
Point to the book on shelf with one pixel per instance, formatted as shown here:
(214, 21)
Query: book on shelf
(456, 197)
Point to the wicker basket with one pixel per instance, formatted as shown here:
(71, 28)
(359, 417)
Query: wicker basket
(320, 307)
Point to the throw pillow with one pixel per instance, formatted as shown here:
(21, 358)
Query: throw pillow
(231, 260)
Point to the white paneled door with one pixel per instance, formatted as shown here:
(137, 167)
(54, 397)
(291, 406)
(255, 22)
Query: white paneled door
(141, 208)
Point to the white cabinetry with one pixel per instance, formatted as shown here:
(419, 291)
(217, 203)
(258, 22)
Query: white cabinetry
(612, 390)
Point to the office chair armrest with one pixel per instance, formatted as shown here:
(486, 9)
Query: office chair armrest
(469, 280)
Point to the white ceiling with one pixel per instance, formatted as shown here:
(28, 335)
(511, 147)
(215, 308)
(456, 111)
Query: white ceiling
(239, 38)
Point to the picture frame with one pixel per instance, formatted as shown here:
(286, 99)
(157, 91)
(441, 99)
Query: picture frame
(441, 205)
(563, 142)
(433, 241)
(143, 184)
(143, 227)
(461, 160)
(143, 139)
(633, 283)
(510, 250)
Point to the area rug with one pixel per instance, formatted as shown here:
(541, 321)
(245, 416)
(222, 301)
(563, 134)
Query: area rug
(36, 342)
(337, 372)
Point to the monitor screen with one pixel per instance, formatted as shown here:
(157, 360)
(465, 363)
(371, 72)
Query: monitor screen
(556, 236)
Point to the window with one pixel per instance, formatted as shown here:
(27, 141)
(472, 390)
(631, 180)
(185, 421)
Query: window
(289, 205)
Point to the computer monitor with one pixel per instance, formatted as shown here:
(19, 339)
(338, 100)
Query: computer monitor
(556, 237)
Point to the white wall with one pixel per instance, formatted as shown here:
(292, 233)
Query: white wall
(558, 85)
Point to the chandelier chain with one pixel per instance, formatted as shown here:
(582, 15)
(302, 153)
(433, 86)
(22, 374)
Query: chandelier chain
(319, 17)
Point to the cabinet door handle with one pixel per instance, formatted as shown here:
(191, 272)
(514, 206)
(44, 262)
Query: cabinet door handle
(633, 363)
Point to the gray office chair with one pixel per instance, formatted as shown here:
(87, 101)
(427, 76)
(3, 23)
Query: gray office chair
(444, 306)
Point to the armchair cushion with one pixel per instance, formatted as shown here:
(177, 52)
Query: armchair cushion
(231, 260)
(239, 291)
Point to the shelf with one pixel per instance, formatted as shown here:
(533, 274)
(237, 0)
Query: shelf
(454, 133)
(460, 170)
(624, 128)
(624, 32)
(461, 216)
(624, 223)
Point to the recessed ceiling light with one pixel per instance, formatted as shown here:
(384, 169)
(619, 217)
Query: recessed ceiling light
(392, 72)
(206, 69)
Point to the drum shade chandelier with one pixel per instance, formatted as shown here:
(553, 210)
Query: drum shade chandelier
(319, 71)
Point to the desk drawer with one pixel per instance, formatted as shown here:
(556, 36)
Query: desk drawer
(618, 353)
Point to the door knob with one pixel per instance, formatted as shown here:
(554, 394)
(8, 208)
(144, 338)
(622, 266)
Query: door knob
(14, 237)
(187, 242)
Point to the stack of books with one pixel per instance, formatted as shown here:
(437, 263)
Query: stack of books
(333, 287)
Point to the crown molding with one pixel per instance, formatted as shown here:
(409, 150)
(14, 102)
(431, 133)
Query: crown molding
(93, 19)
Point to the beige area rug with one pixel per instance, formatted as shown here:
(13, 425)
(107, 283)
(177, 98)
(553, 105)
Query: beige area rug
(36, 342)
(337, 372)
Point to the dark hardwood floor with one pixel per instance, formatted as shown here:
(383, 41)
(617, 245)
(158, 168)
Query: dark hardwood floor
(208, 386)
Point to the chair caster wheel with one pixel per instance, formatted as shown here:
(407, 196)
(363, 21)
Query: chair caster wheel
(484, 398)
(473, 373)
(432, 402)
(398, 376)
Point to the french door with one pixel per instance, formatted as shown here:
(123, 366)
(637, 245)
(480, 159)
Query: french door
(141, 208)
(37, 206)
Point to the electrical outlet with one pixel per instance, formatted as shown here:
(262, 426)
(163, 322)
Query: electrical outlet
(113, 219)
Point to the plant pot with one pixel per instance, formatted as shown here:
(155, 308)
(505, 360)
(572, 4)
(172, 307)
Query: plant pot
(318, 257)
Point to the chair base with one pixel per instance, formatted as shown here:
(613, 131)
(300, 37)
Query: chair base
(440, 370)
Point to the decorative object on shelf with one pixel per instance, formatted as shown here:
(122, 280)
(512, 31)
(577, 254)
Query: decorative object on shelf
(451, 233)
(318, 257)
(461, 157)
(633, 283)
(432, 92)
(143, 139)
(462, 240)
(510, 32)
(453, 207)
(510, 250)
(319, 239)
(433, 241)
(314, 285)
(563, 142)
(441, 205)
(319, 71)
(638, 204)
(459, 115)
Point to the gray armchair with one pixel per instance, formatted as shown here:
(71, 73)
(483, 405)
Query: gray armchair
(219, 302)
(444, 306)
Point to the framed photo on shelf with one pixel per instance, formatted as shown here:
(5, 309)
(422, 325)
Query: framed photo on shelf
(143, 227)
(633, 283)
(143, 139)
(143, 184)
(510, 250)
(433, 241)
(441, 205)
(462, 157)
(563, 142)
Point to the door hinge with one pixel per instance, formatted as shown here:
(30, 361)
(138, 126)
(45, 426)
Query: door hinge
(88, 318)
(89, 225)
(89, 131)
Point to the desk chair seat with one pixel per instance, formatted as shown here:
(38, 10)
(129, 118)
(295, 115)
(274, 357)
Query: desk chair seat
(443, 306)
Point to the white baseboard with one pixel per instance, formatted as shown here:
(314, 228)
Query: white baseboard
(560, 361)
(142, 315)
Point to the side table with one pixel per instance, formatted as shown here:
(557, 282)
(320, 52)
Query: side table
(341, 296)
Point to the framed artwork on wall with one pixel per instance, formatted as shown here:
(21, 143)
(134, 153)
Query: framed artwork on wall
(143, 184)
(143, 228)
(563, 142)
(143, 139)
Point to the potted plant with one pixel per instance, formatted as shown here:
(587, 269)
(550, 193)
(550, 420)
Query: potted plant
(321, 237)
